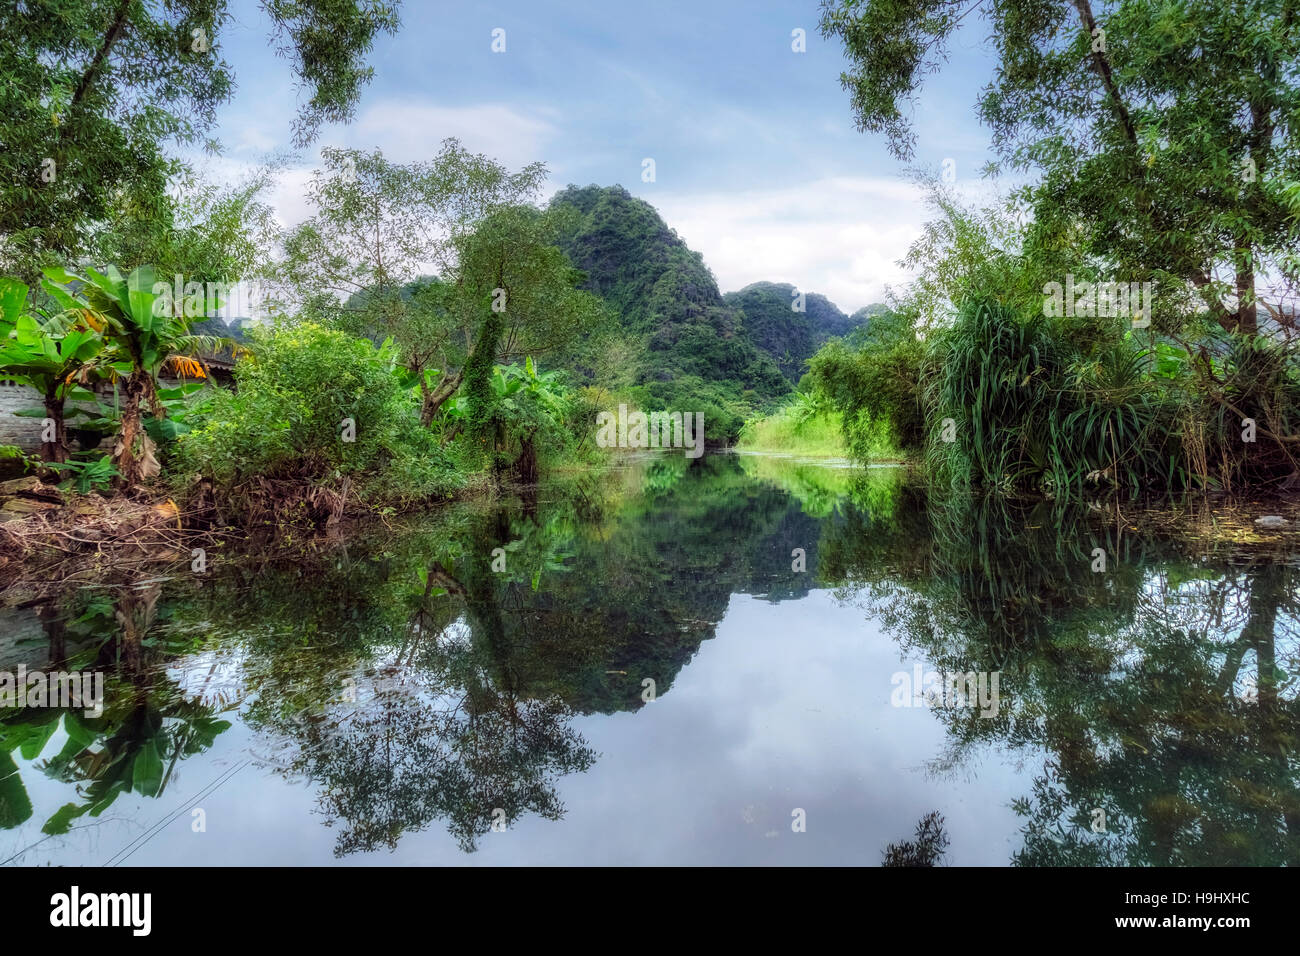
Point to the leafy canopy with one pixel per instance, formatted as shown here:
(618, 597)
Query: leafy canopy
(93, 93)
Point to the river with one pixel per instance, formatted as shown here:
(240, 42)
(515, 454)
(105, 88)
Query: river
(740, 660)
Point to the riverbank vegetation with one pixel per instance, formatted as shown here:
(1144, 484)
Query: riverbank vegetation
(807, 426)
(967, 374)
(433, 329)
(409, 391)
(1136, 171)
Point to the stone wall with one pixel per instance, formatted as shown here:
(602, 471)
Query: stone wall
(23, 432)
(26, 432)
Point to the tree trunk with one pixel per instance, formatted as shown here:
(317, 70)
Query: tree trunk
(57, 450)
(481, 423)
(1247, 309)
(432, 401)
(526, 463)
(133, 453)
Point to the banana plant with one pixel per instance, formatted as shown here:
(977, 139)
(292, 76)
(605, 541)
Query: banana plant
(529, 403)
(142, 336)
(54, 353)
(533, 398)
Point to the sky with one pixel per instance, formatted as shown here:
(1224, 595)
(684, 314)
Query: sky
(757, 162)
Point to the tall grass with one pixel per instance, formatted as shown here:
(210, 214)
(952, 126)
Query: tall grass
(786, 431)
(1027, 409)
(811, 426)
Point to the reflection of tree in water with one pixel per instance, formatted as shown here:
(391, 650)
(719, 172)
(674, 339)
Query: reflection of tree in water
(1182, 767)
(393, 706)
(444, 745)
(486, 669)
(148, 726)
(1130, 680)
(926, 849)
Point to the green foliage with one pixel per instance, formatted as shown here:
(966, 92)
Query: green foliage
(142, 331)
(723, 413)
(482, 416)
(52, 352)
(205, 232)
(677, 330)
(875, 386)
(97, 474)
(1054, 404)
(790, 337)
(808, 426)
(1029, 409)
(355, 263)
(103, 88)
(530, 400)
(44, 350)
(967, 252)
(1168, 153)
(286, 420)
(511, 260)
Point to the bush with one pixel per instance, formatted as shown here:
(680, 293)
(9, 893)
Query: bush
(288, 420)
(723, 413)
(1029, 409)
(808, 426)
(873, 379)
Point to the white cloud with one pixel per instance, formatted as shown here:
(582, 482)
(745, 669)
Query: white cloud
(288, 197)
(839, 236)
(407, 131)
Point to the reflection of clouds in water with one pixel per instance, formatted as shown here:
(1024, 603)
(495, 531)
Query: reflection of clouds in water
(787, 706)
(214, 678)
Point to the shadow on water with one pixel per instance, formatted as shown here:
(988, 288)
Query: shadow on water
(434, 675)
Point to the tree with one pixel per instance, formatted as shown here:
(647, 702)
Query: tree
(927, 849)
(94, 92)
(358, 261)
(529, 302)
(142, 338)
(208, 233)
(1166, 141)
(377, 227)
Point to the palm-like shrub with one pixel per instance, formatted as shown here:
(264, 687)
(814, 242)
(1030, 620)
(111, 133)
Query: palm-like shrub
(1028, 410)
(53, 352)
(141, 335)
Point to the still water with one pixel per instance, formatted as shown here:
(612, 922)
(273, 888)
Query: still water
(681, 662)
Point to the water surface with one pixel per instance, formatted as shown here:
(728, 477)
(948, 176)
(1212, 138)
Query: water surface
(682, 662)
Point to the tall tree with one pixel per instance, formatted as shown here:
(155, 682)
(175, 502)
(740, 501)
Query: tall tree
(378, 225)
(1164, 135)
(93, 93)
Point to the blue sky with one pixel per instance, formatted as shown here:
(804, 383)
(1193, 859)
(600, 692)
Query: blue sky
(758, 165)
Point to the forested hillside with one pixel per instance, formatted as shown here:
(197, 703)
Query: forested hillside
(681, 344)
(789, 336)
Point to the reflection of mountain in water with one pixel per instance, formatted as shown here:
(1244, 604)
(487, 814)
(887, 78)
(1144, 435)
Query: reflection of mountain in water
(640, 597)
(416, 680)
